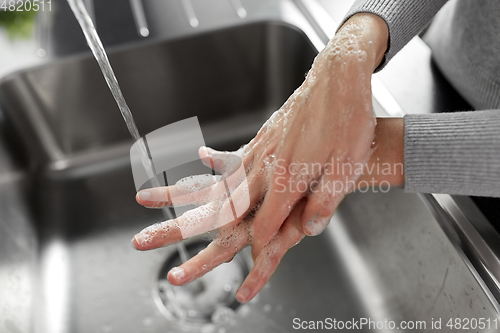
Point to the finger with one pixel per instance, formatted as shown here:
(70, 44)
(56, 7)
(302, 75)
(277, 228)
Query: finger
(221, 250)
(193, 222)
(191, 190)
(215, 214)
(221, 161)
(326, 194)
(197, 190)
(157, 235)
(277, 205)
(270, 256)
(241, 201)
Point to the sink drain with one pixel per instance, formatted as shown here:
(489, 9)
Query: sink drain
(210, 299)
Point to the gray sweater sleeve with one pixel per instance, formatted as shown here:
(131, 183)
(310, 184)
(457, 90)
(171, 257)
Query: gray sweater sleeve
(405, 19)
(453, 153)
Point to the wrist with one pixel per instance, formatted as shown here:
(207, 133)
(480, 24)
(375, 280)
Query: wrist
(363, 32)
(385, 166)
(356, 50)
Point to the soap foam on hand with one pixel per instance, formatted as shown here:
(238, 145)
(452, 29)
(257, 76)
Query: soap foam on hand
(196, 183)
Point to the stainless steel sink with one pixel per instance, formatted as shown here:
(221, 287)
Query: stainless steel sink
(231, 79)
(384, 256)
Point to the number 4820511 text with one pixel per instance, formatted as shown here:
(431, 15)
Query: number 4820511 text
(26, 5)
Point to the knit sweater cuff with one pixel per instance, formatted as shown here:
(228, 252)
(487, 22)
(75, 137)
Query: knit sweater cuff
(405, 19)
(453, 153)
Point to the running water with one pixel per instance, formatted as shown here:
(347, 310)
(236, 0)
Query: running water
(95, 44)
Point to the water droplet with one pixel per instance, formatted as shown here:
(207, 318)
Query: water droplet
(267, 308)
(227, 288)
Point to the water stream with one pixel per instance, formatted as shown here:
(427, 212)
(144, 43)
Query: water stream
(95, 44)
(210, 298)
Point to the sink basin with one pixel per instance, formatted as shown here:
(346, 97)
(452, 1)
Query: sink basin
(231, 79)
(384, 256)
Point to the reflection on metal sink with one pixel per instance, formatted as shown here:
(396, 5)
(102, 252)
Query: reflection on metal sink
(384, 256)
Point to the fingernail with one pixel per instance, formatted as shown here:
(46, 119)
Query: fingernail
(140, 240)
(315, 226)
(144, 195)
(310, 225)
(243, 294)
(203, 150)
(177, 273)
(210, 150)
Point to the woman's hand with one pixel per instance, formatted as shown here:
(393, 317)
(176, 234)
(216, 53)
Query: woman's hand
(230, 238)
(299, 166)
(314, 143)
